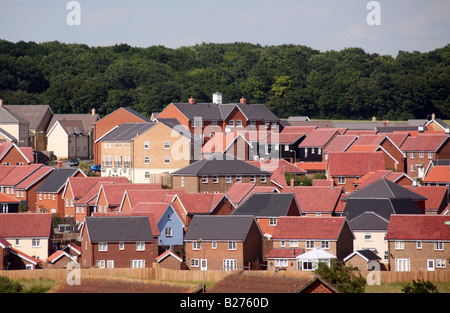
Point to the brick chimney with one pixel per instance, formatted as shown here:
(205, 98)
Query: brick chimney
(191, 100)
(292, 182)
(243, 100)
(93, 111)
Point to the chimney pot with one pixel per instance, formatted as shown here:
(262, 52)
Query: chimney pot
(93, 111)
(243, 100)
(191, 100)
(292, 182)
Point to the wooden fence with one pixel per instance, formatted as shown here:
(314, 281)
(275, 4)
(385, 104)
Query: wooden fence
(163, 274)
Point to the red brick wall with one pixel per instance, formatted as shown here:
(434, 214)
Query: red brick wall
(13, 157)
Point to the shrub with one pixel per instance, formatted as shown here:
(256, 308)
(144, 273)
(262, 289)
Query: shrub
(9, 286)
(420, 286)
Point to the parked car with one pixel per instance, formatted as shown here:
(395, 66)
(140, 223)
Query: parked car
(74, 162)
(95, 168)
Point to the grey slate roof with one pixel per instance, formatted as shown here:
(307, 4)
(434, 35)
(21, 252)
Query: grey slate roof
(128, 131)
(219, 112)
(7, 116)
(119, 229)
(219, 227)
(56, 180)
(384, 189)
(369, 254)
(220, 167)
(266, 204)
(369, 221)
(382, 207)
(34, 113)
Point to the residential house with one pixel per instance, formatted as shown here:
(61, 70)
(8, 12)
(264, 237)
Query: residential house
(418, 243)
(160, 150)
(68, 139)
(110, 195)
(38, 116)
(108, 122)
(268, 208)
(421, 149)
(59, 259)
(21, 181)
(437, 197)
(437, 125)
(204, 119)
(218, 175)
(437, 175)
(170, 260)
(222, 242)
(233, 143)
(239, 192)
(78, 187)
(340, 143)
(284, 145)
(123, 242)
(344, 168)
(14, 259)
(131, 198)
(317, 200)
(399, 178)
(29, 234)
(312, 146)
(267, 282)
(49, 193)
(363, 260)
(118, 149)
(320, 238)
(9, 204)
(11, 154)
(14, 127)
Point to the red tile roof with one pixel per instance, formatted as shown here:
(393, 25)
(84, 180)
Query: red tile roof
(298, 129)
(8, 199)
(34, 177)
(312, 166)
(438, 174)
(423, 142)
(340, 143)
(164, 195)
(435, 196)
(418, 227)
(114, 192)
(239, 192)
(198, 203)
(219, 142)
(25, 225)
(377, 175)
(354, 163)
(283, 138)
(81, 185)
(309, 228)
(315, 199)
(16, 173)
(278, 164)
(318, 138)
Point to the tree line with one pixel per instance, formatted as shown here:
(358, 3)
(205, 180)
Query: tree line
(291, 80)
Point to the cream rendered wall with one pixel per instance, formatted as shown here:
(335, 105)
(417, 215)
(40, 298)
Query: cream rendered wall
(26, 246)
(58, 142)
(377, 244)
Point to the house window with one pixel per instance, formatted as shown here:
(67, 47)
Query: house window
(182, 181)
(229, 264)
(281, 263)
(418, 244)
(167, 160)
(102, 246)
(411, 155)
(368, 237)
(137, 263)
(168, 231)
(309, 244)
(17, 242)
(238, 123)
(121, 246)
(195, 263)
(214, 245)
(36, 242)
(228, 179)
(325, 244)
(430, 155)
(440, 263)
(430, 265)
(215, 179)
(146, 160)
(196, 245)
(283, 243)
(166, 144)
(231, 123)
(101, 263)
(140, 246)
(146, 144)
(293, 243)
(147, 175)
(204, 179)
(399, 245)
(214, 123)
(438, 245)
(402, 265)
(253, 179)
(231, 245)
(272, 221)
(412, 168)
(341, 180)
(252, 123)
(263, 178)
(421, 155)
(238, 178)
(319, 150)
(110, 264)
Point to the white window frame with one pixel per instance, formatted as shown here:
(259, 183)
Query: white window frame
(36, 242)
(121, 246)
(137, 263)
(140, 246)
(102, 246)
(167, 160)
(402, 265)
(309, 244)
(166, 145)
(228, 179)
(438, 245)
(431, 265)
(229, 264)
(146, 145)
(195, 262)
(325, 244)
(273, 221)
(263, 178)
(238, 178)
(146, 159)
(168, 231)
(215, 179)
(341, 180)
(204, 179)
(196, 245)
(399, 245)
(232, 245)
(252, 178)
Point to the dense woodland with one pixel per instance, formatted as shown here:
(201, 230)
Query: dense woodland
(289, 79)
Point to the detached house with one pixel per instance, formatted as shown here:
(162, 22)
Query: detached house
(311, 148)
(421, 149)
(109, 242)
(222, 242)
(13, 127)
(218, 175)
(419, 243)
(11, 154)
(68, 139)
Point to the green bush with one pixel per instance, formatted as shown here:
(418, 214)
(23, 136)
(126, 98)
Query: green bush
(420, 286)
(9, 286)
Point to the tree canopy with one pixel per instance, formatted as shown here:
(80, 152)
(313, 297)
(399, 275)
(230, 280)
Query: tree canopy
(288, 79)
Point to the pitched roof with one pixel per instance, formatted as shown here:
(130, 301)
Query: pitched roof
(87, 120)
(435, 196)
(312, 166)
(25, 225)
(26, 152)
(369, 220)
(273, 165)
(220, 142)
(56, 180)
(239, 192)
(36, 176)
(7, 116)
(340, 143)
(426, 143)
(309, 228)
(15, 174)
(371, 177)
(384, 189)
(318, 138)
(219, 227)
(438, 174)
(114, 192)
(220, 167)
(81, 185)
(383, 207)
(34, 113)
(266, 204)
(354, 163)
(119, 229)
(298, 129)
(148, 214)
(199, 203)
(137, 196)
(282, 138)
(127, 131)
(316, 199)
(418, 227)
(8, 199)
(366, 254)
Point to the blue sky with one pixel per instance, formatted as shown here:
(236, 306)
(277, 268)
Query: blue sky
(320, 24)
